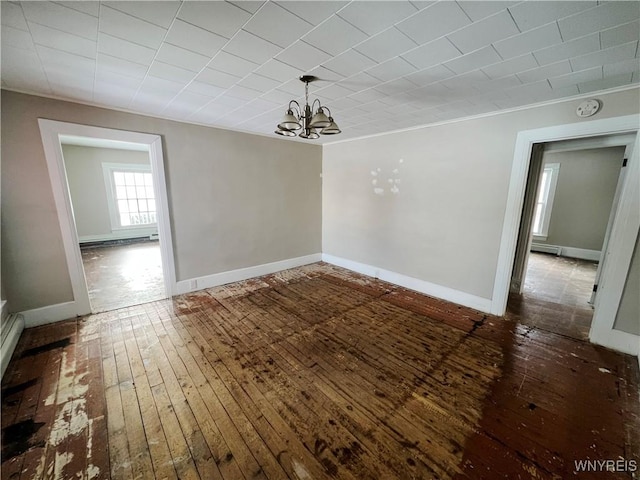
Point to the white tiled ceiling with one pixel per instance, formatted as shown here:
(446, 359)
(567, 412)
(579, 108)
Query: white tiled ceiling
(382, 64)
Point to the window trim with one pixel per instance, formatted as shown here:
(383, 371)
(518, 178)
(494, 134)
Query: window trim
(548, 201)
(107, 170)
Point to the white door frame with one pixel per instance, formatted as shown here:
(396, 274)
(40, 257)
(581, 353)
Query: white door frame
(624, 230)
(50, 132)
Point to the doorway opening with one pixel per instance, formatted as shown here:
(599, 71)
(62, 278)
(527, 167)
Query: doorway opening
(114, 207)
(130, 229)
(571, 196)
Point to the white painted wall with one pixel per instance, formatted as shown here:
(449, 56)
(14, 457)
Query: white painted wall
(445, 224)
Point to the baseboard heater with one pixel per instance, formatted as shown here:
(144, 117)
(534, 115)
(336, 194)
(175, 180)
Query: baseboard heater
(543, 248)
(12, 327)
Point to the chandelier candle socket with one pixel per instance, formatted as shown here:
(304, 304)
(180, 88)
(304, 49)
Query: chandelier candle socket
(310, 120)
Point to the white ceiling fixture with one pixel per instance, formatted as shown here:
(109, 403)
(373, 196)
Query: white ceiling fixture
(388, 65)
(310, 120)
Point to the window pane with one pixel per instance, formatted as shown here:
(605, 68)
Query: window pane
(133, 192)
(544, 185)
(141, 192)
(537, 219)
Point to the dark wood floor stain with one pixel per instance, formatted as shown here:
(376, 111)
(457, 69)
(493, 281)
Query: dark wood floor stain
(312, 373)
(64, 342)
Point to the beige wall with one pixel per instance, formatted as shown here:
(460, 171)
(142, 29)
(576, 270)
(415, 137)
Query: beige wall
(628, 316)
(89, 193)
(444, 225)
(235, 200)
(586, 186)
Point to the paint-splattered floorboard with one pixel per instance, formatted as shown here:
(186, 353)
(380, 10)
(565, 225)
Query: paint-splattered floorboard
(311, 373)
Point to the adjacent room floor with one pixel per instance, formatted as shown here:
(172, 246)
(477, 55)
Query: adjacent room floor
(123, 275)
(314, 372)
(556, 293)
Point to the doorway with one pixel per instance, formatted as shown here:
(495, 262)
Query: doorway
(624, 231)
(570, 217)
(55, 135)
(114, 208)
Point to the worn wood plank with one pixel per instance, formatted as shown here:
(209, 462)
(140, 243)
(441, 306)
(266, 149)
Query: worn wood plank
(320, 373)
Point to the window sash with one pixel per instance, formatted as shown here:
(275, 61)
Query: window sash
(544, 202)
(130, 195)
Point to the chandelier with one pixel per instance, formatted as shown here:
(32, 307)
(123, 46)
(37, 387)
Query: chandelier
(311, 120)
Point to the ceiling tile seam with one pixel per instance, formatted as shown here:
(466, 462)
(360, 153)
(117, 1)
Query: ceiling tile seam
(44, 72)
(58, 49)
(155, 56)
(125, 40)
(136, 17)
(213, 58)
(237, 4)
(445, 37)
(464, 11)
(283, 3)
(27, 21)
(513, 20)
(359, 29)
(95, 70)
(70, 7)
(58, 30)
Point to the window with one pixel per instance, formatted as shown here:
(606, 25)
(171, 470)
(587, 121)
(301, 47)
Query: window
(130, 195)
(544, 202)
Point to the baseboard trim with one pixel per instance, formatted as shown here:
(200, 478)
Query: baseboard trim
(49, 314)
(216, 279)
(582, 253)
(571, 252)
(15, 326)
(422, 286)
(125, 235)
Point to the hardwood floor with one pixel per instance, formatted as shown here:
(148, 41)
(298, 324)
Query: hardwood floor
(123, 275)
(312, 373)
(556, 295)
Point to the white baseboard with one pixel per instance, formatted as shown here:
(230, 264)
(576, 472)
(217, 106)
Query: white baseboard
(583, 253)
(49, 314)
(15, 326)
(119, 235)
(572, 252)
(431, 289)
(208, 281)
